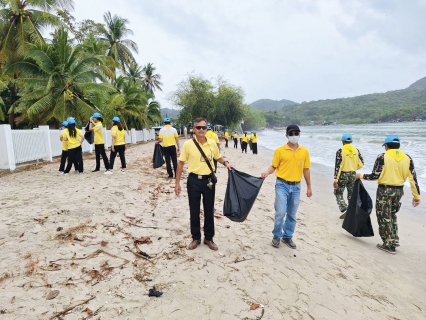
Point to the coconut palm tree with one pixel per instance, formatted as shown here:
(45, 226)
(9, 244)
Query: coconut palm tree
(61, 81)
(134, 72)
(151, 80)
(114, 33)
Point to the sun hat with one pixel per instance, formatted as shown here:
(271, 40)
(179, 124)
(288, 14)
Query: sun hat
(71, 121)
(116, 119)
(292, 127)
(254, 131)
(166, 120)
(390, 139)
(347, 137)
(96, 115)
(64, 123)
(245, 131)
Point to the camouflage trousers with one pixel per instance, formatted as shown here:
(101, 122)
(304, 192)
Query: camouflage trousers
(387, 205)
(346, 180)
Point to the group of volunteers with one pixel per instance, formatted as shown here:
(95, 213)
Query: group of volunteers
(246, 139)
(72, 138)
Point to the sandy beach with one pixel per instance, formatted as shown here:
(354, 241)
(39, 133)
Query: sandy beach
(73, 234)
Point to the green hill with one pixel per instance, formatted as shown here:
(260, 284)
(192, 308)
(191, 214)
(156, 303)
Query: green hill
(419, 84)
(170, 113)
(270, 105)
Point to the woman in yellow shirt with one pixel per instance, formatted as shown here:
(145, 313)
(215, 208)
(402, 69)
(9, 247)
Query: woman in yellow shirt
(235, 139)
(254, 142)
(75, 154)
(118, 143)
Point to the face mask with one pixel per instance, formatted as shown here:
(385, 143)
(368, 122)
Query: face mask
(293, 139)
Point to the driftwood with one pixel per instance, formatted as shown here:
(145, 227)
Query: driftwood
(70, 308)
(94, 254)
(138, 255)
(138, 225)
(241, 260)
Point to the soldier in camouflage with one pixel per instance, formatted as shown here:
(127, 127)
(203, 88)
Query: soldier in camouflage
(391, 178)
(348, 160)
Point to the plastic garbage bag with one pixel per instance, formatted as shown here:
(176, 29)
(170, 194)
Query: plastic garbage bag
(157, 158)
(89, 136)
(241, 193)
(357, 219)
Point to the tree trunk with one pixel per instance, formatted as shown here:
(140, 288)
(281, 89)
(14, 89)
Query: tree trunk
(13, 94)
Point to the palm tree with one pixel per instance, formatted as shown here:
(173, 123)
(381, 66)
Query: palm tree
(22, 21)
(151, 81)
(113, 34)
(134, 72)
(61, 82)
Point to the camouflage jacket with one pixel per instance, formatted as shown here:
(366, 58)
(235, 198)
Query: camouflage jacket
(338, 161)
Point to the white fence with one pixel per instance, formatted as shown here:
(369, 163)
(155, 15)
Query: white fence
(43, 143)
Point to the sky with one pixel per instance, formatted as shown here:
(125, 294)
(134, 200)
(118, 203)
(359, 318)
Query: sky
(299, 50)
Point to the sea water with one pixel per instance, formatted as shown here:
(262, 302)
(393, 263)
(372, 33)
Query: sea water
(323, 142)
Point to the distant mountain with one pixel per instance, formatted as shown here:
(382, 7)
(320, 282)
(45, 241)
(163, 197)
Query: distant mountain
(419, 84)
(169, 113)
(270, 105)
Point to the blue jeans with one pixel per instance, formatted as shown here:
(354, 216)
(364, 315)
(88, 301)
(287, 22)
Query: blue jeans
(287, 199)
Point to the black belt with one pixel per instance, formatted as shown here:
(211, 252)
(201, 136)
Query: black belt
(199, 176)
(387, 186)
(288, 182)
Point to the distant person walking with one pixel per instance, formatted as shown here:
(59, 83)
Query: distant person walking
(226, 138)
(118, 144)
(96, 126)
(244, 142)
(348, 160)
(199, 182)
(191, 131)
(64, 155)
(235, 139)
(291, 161)
(170, 139)
(212, 135)
(75, 138)
(391, 170)
(254, 142)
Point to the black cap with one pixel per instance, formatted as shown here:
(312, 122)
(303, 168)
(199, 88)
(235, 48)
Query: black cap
(292, 127)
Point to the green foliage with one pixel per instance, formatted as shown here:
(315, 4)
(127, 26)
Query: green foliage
(274, 119)
(253, 119)
(270, 105)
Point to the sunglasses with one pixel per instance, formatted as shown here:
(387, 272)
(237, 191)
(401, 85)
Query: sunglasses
(293, 133)
(201, 127)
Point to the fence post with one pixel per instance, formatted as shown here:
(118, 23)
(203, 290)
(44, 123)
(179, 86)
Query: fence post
(7, 158)
(133, 135)
(46, 131)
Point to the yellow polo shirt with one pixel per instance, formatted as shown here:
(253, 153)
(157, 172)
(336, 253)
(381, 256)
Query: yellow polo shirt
(118, 135)
(73, 142)
(236, 136)
(227, 135)
(169, 135)
(98, 136)
(290, 163)
(254, 138)
(64, 143)
(196, 162)
(244, 138)
(211, 135)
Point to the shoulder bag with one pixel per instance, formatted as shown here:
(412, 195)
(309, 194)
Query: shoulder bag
(213, 177)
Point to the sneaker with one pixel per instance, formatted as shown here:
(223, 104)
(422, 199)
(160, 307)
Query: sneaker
(65, 174)
(108, 172)
(289, 242)
(96, 170)
(275, 242)
(60, 173)
(343, 216)
(387, 249)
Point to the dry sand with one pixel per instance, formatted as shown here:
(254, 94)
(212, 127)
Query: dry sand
(331, 275)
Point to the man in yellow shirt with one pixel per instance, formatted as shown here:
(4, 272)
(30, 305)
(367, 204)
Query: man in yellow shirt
(254, 142)
(391, 170)
(97, 127)
(244, 142)
(348, 160)
(199, 182)
(226, 138)
(291, 161)
(74, 138)
(235, 139)
(170, 139)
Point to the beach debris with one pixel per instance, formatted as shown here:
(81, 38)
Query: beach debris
(88, 311)
(3, 203)
(127, 248)
(217, 216)
(154, 293)
(41, 221)
(22, 235)
(237, 259)
(142, 240)
(52, 294)
(144, 254)
(104, 243)
(97, 311)
(46, 216)
(131, 218)
(138, 225)
(59, 229)
(254, 306)
(59, 314)
(159, 238)
(93, 255)
(228, 226)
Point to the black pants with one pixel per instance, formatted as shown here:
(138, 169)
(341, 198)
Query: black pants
(235, 143)
(169, 153)
(226, 143)
(254, 147)
(75, 156)
(64, 157)
(100, 151)
(196, 188)
(243, 147)
(120, 149)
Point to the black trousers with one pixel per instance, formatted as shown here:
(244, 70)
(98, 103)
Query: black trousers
(64, 157)
(235, 143)
(120, 149)
(244, 146)
(75, 156)
(254, 147)
(197, 188)
(169, 153)
(100, 151)
(226, 143)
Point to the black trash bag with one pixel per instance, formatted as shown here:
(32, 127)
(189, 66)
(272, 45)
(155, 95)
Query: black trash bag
(157, 158)
(357, 219)
(241, 192)
(89, 136)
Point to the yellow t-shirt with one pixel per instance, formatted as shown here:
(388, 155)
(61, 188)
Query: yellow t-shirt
(211, 135)
(244, 138)
(118, 135)
(290, 163)
(226, 135)
(235, 135)
(196, 162)
(73, 142)
(254, 138)
(97, 129)
(169, 135)
(64, 143)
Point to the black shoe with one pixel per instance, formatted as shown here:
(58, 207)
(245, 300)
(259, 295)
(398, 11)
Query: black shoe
(387, 249)
(96, 170)
(289, 242)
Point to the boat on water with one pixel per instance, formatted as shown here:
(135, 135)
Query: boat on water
(279, 128)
